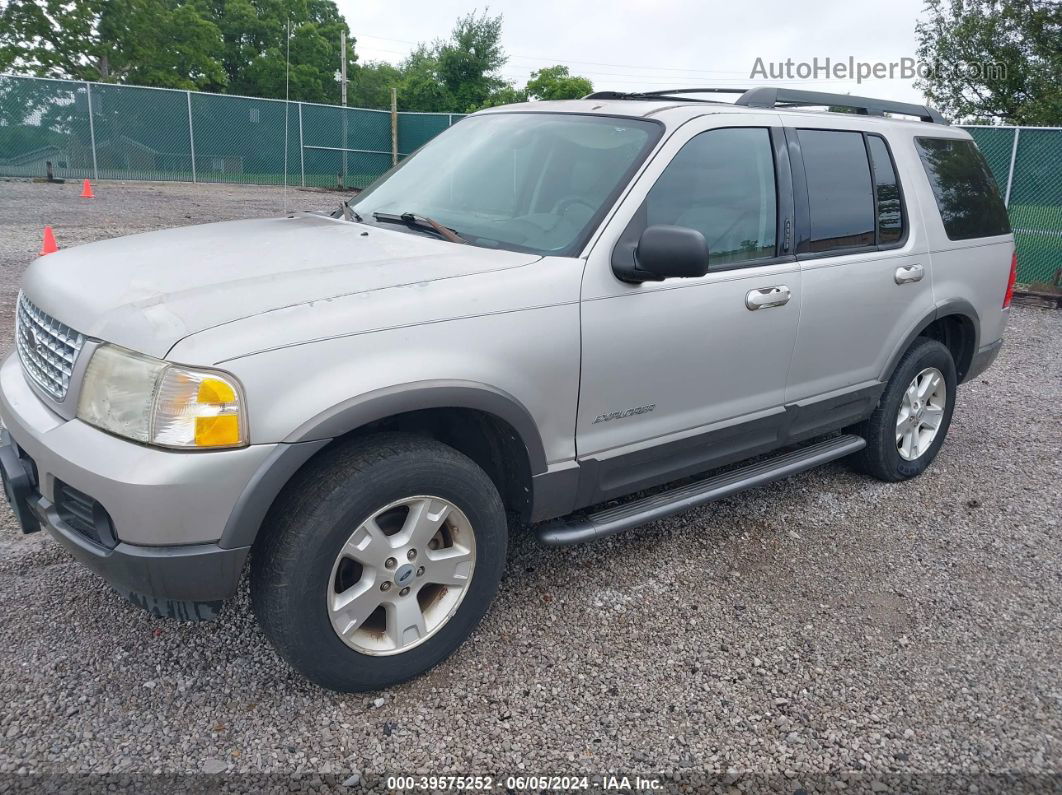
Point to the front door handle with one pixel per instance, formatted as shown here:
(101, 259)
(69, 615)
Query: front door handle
(766, 297)
(909, 273)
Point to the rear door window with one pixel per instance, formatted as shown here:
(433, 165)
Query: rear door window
(840, 197)
(967, 197)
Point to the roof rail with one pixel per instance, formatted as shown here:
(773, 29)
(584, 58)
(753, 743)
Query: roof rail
(768, 97)
(668, 95)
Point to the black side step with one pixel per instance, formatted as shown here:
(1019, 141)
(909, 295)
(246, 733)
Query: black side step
(562, 532)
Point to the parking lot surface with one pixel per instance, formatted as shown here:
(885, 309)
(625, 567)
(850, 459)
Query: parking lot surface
(826, 624)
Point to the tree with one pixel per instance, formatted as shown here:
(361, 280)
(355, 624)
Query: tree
(371, 84)
(458, 74)
(993, 60)
(555, 82)
(422, 88)
(52, 38)
(152, 42)
(506, 95)
(461, 74)
(239, 46)
(468, 63)
(255, 47)
(155, 43)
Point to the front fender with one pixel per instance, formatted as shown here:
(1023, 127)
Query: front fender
(314, 434)
(416, 396)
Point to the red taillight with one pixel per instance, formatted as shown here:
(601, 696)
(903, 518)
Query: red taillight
(1013, 280)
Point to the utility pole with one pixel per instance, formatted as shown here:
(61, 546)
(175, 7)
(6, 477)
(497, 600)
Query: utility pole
(394, 126)
(343, 98)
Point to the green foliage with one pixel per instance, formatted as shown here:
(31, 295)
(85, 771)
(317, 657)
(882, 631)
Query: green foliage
(238, 46)
(152, 42)
(555, 82)
(421, 87)
(506, 95)
(371, 83)
(468, 63)
(50, 37)
(458, 74)
(461, 74)
(255, 35)
(994, 60)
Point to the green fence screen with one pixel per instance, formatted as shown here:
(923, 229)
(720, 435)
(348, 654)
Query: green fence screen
(108, 131)
(1027, 165)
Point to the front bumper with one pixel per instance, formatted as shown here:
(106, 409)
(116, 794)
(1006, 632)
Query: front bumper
(184, 582)
(166, 509)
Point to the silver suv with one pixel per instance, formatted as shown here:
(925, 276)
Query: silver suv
(549, 307)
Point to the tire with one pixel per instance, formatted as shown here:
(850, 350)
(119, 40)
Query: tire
(299, 576)
(886, 457)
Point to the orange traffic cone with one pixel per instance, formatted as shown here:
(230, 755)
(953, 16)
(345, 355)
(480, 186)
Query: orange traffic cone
(49, 246)
(86, 190)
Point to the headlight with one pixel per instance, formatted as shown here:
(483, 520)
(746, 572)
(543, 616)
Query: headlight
(158, 403)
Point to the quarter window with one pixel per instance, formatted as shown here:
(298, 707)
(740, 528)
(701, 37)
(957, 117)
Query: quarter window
(886, 192)
(966, 193)
(722, 184)
(840, 198)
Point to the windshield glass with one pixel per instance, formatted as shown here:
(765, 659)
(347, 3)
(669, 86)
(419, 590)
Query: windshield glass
(526, 181)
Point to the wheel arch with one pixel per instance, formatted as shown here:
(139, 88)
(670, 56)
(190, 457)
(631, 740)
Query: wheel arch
(954, 323)
(487, 424)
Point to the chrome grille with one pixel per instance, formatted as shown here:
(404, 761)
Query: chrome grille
(46, 348)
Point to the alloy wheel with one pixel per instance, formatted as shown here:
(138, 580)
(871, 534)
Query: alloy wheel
(401, 575)
(921, 413)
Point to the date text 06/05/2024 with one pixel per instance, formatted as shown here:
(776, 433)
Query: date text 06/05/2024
(611, 783)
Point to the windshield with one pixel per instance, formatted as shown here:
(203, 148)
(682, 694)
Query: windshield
(526, 181)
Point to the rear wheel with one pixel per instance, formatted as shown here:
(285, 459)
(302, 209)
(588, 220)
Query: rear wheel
(907, 429)
(378, 561)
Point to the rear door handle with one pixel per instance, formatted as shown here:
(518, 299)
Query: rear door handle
(766, 297)
(909, 273)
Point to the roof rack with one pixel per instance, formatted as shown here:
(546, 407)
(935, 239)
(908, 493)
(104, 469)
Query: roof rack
(767, 97)
(669, 94)
(771, 97)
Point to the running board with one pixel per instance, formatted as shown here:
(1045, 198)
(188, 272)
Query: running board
(562, 532)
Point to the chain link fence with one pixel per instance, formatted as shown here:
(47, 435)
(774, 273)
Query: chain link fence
(1027, 165)
(108, 131)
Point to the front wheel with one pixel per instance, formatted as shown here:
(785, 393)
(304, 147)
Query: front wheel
(907, 429)
(378, 561)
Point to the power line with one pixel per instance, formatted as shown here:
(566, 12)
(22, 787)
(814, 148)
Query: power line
(645, 76)
(515, 71)
(656, 81)
(557, 59)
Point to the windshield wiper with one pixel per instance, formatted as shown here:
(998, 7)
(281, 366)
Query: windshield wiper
(420, 222)
(348, 213)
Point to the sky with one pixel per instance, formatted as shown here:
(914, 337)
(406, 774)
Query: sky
(660, 44)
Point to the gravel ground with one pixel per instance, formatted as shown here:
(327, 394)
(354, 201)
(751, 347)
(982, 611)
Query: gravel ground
(823, 631)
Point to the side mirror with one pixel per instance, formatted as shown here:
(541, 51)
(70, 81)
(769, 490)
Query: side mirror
(663, 252)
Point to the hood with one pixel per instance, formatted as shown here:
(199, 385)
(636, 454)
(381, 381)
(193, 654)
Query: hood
(146, 292)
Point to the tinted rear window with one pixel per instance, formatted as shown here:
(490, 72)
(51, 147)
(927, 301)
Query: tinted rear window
(839, 189)
(887, 192)
(966, 193)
